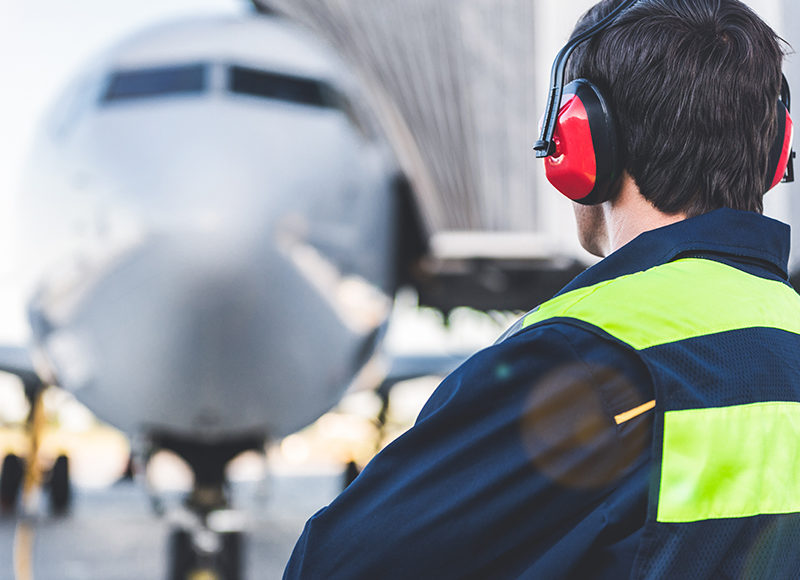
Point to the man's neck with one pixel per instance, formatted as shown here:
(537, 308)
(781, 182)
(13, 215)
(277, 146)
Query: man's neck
(630, 214)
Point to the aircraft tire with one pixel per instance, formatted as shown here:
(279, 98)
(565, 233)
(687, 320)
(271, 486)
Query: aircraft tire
(351, 471)
(59, 487)
(11, 478)
(181, 555)
(184, 562)
(230, 558)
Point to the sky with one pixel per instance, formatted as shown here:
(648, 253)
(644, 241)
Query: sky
(42, 45)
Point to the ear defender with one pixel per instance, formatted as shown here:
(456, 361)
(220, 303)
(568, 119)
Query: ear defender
(578, 138)
(780, 165)
(585, 159)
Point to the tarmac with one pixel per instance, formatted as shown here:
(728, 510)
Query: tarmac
(113, 534)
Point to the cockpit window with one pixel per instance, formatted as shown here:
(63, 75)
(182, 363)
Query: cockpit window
(281, 87)
(156, 82)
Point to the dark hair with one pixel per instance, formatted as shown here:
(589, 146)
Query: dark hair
(694, 86)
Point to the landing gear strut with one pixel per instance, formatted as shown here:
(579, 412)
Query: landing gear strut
(19, 476)
(207, 540)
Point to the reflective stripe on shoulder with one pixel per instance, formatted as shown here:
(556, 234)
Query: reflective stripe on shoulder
(682, 299)
(730, 462)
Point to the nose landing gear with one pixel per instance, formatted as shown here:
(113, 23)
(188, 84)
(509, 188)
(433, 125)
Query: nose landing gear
(200, 550)
(207, 540)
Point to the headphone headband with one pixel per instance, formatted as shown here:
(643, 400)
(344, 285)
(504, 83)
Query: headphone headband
(545, 146)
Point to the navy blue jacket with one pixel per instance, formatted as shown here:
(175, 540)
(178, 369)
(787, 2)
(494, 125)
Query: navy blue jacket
(538, 457)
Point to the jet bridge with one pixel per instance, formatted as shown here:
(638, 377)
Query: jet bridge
(459, 87)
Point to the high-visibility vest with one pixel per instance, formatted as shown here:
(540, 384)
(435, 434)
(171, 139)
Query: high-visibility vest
(723, 350)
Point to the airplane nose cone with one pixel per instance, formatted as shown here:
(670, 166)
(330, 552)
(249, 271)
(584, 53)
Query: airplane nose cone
(226, 311)
(203, 336)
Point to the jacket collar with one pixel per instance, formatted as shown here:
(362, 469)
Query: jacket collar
(731, 236)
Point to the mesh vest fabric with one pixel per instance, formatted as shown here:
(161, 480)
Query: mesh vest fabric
(721, 346)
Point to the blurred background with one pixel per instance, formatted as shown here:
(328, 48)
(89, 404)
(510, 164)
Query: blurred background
(249, 239)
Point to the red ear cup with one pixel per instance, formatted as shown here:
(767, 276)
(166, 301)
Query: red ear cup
(586, 161)
(781, 153)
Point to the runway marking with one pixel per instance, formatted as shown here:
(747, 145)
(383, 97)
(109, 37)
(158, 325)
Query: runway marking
(23, 550)
(24, 533)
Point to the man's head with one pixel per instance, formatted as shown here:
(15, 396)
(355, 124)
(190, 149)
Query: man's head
(694, 86)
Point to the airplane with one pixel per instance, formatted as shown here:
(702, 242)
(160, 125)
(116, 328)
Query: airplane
(212, 209)
(214, 227)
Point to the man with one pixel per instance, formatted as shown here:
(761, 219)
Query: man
(646, 421)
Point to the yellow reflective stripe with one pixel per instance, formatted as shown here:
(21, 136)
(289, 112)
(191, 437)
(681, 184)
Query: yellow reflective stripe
(730, 462)
(676, 301)
(635, 412)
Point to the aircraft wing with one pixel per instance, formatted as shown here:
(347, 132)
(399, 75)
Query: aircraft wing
(404, 368)
(17, 360)
(407, 367)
